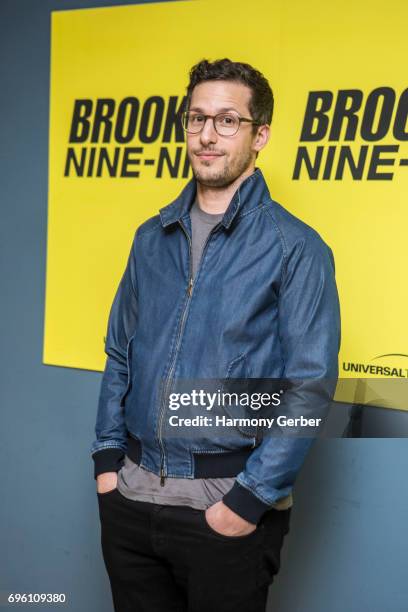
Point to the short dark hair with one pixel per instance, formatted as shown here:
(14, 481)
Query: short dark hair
(261, 102)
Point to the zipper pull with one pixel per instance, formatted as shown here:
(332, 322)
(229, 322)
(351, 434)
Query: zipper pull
(190, 286)
(162, 477)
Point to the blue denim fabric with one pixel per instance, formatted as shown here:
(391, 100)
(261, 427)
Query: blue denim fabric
(263, 304)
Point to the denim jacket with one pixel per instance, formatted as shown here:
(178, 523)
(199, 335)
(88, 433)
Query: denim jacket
(263, 304)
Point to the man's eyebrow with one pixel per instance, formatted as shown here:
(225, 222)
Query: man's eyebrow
(220, 110)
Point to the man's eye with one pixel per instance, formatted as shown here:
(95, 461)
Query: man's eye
(197, 118)
(226, 120)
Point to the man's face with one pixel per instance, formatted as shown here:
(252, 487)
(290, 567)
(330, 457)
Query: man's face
(217, 161)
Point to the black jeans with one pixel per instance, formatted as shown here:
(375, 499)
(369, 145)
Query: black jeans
(168, 559)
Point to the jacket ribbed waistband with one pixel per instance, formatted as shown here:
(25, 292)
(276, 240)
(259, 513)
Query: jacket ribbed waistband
(225, 464)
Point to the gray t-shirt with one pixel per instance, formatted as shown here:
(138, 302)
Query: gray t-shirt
(138, 483)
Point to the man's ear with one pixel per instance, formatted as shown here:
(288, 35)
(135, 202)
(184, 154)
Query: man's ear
(261, 137)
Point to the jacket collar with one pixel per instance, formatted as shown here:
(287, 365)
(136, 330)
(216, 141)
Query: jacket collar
(250, 193)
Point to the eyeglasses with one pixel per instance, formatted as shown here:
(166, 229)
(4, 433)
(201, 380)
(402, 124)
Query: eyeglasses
(225, 124)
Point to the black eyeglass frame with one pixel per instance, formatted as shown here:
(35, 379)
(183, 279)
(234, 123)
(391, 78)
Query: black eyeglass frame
(213, 117)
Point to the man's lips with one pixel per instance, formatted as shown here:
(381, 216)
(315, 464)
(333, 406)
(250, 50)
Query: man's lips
(208, 155)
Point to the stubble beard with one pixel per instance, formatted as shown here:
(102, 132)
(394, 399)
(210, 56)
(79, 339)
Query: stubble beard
(224, 176)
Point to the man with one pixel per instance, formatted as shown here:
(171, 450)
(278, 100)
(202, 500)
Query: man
(223, 284)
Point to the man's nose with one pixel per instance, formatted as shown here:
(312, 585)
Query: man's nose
(208, 133)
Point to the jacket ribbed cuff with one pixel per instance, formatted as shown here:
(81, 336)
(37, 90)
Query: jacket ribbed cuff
(108, 460)
(244, 503)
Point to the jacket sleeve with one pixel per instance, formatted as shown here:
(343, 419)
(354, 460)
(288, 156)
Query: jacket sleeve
(309, 331)
(110, 445)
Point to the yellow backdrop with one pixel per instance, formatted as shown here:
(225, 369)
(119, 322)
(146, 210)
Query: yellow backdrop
(335, 158)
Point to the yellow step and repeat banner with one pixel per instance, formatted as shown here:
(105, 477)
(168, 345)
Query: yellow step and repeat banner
(337, 157)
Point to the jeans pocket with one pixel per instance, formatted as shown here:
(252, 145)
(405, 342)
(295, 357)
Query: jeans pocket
(105, 493)
(245, 537)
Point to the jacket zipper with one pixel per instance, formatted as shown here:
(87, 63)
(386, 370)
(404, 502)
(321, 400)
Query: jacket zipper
(181, 329)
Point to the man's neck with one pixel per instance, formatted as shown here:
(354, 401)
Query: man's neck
(215, 200)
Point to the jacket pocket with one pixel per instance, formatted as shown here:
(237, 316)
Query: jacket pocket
(236, 384)
(129, 370)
